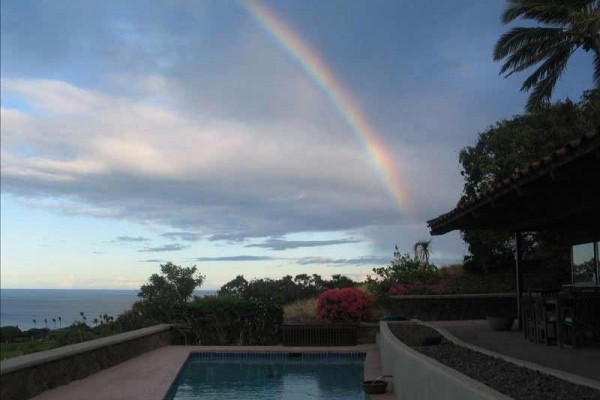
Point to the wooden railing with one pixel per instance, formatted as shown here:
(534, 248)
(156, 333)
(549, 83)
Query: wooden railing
(319, 335)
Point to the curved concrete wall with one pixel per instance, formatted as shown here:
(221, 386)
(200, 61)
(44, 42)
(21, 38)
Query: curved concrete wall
(416, 376)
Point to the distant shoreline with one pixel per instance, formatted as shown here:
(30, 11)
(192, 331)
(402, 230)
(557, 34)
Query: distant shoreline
(53, 308)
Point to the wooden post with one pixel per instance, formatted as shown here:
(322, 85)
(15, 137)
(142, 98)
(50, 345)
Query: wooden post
(519, 273)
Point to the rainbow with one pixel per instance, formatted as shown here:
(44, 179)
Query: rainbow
(316, 68)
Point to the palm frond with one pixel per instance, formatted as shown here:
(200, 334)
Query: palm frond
(555, 64)
(543, 11)
(521, 38)
(547, 76)
(597, 69)
(530, 47)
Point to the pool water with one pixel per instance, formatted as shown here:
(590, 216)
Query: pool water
(270, 376)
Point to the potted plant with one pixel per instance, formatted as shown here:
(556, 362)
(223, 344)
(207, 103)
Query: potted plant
(375, 386)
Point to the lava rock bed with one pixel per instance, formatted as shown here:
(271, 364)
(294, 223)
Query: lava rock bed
(514, 381)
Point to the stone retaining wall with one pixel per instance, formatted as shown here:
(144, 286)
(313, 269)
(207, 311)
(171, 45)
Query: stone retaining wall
(451, 307)
(26, 376)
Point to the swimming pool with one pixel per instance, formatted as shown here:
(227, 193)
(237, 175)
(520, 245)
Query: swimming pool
(263, 376)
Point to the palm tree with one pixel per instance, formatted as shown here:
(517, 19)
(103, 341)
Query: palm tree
(565, 26)
(54, 320)
(46, 322)
(422, 250)
(34, 323)
(60, 322)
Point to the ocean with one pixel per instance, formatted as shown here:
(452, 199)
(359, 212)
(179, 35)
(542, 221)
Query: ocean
(21, 306)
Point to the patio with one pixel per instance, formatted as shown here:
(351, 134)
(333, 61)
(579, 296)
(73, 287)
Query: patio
(583, 362)
(553, 195)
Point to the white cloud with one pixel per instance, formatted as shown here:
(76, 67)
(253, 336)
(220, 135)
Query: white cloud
(149, 163)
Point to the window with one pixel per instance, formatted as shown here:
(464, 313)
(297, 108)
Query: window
(585, 263)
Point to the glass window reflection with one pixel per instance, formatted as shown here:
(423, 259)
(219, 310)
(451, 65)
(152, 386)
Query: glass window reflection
(584, 263)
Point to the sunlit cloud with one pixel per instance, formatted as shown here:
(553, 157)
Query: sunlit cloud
(282, 244)
(164, 248)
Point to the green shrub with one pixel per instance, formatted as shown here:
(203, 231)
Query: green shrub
(8, 333)
(406, 269)
(37, 333)
(134, 318)
(227, 320)
(75, 333)
(403, 270)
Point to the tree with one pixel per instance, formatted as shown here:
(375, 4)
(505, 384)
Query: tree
(566, 26)
(285, 290)
(235, 287)
(164, 295)
(340, 282)
(406, 269)
(422, 250)
(511, 144)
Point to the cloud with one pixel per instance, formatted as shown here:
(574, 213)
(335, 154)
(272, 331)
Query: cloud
(228, 170)
(282, 244)
(153, 260)
(236, 258)
(373, 260)
(185, 236)
(131, 239)
(88, 156)
(166, 247)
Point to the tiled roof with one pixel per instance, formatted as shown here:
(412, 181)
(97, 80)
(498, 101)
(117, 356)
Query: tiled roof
(526, 174)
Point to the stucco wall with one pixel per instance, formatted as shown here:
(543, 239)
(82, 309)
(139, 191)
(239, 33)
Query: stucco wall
(26, 376)
(417, 377)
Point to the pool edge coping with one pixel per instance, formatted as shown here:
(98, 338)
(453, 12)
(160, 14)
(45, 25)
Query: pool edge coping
(368, 349)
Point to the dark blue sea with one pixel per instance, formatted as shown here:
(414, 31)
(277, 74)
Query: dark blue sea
(21, 306)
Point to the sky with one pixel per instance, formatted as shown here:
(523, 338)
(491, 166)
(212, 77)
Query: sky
(259, 138)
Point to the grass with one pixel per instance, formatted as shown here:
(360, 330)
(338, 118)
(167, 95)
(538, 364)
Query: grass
(301, 312)
(11, 350)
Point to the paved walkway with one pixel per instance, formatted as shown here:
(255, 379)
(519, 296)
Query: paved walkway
(150, 375)
(583, 361)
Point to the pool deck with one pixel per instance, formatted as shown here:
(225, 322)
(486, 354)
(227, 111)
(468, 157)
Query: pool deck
(150, 375)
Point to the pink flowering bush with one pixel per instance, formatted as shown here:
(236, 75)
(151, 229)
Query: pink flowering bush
(415, 287)
(398, 288)
(344, 305)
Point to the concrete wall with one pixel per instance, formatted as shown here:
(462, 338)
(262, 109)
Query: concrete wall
(26, 376)
(416, 376)
(451, 306)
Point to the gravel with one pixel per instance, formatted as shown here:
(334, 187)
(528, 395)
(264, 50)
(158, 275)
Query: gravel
(512, 380)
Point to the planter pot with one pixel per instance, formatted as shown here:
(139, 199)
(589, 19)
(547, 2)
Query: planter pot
(501, 323)
(375, 387)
